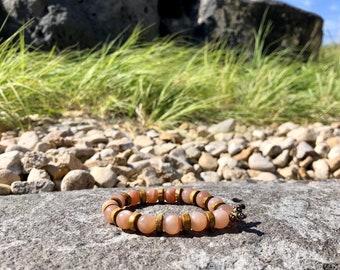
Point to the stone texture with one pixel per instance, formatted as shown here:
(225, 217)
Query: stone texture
(288, 226)
(104, 176)
(11, 160)
(207, 162)
(32, 160)
(28, 140)
(5, 189)
(260, 163)
(8, 177)
(38, 174)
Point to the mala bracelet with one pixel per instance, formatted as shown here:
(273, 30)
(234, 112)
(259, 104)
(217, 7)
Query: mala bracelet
(217, 214)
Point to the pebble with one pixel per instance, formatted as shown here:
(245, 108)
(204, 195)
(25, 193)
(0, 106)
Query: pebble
(258, 162)
(77, 179)
(79, 153)
(5, 189)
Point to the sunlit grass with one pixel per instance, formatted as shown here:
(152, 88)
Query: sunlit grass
(166, 82)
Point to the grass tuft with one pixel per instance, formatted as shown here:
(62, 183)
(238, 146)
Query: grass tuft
(166, 82)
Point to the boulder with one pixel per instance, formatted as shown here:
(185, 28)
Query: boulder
(86, 23)
(289, 225)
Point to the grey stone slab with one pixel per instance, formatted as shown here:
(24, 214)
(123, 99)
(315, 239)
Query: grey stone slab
(290, 225)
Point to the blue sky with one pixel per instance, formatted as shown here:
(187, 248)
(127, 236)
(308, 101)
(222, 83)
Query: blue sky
(329, 10)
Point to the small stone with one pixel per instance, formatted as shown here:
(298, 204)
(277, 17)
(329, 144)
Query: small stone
(96, 137)
(164, 148)
(189, 178)
(10, 160)
(76, 180)
(306, 162)
(216, 148)
(257, 162)
(169, 136)
(226, 161)
(32, 160)
(38, 174)
(336, 174)
(28, 140)
(55, 171)
(15, 147)
(290, 172)
(192, 154)
(32, 187)
(245, 153)
(232, 174)
(142, 141)
(120, 145)
(104, 176)
(123, 170)
(334, 152)
(210, 177)
(150, 176)
(202, 131)
(269, 149)
(223, 127)
(287, 143)
(321, 169)
(282, 159)
(304, 149)
(42, 147)
(178, 153)
(5, 189)
(259, 134)
(63, 159)
(266, 176)
(138, 166)
(333, 141)
(8, 177)
(235, 146)
(283, 129)
(334, 163)
(152, 133)
(82, 153)
(208, 162)
(303, 174)
(303, 134)
(322, 149)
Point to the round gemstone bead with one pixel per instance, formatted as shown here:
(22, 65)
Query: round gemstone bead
(172, 224)
(198, 221)
(213, 202)
(186, 195)
(122, 219)
(151, 196)
(146, 224)
(200, 198)
(107, 212)
(135, 197)
(119, 198)
(227, 208)
(170, 195)
(221, 219)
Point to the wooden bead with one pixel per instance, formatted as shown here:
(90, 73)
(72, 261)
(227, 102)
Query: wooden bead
(186, 222)
(159, 223)
(161, 195)
(127, 198)
(133, 221)
(142, 196)
(114, 214)
(178, 195)
(119, 199)
(211, 219)
(108, 203)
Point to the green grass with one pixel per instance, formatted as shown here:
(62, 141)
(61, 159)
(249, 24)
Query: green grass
(165, 83)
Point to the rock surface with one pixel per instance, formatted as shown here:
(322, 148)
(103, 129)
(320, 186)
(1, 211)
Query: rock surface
(87, 23)
(289, 225)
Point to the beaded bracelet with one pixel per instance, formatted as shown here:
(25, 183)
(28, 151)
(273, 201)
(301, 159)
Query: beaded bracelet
(217, 214)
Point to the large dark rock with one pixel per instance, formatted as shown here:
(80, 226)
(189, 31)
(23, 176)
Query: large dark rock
(86, 23)
(290, 225)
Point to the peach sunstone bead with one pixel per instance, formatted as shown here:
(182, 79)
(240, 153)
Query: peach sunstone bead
(227, 208)
(151, 196)
(214, 201)
(120, 198)
(146, 224)
(221, 219)
(172, 224)
(107, 212)
(170, 195)
(122, 219)
(200, 198)
(135, 196)
(198, 221)
(186, 195)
